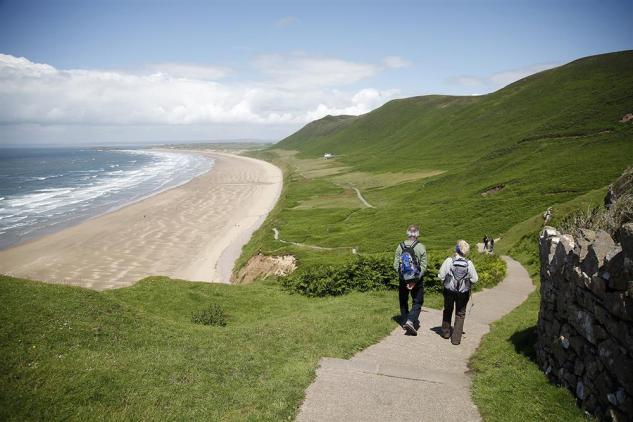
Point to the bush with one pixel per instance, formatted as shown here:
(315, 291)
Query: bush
(600, 218)
(213, 315)
(375, 272)
(362, 273)
(490, 268)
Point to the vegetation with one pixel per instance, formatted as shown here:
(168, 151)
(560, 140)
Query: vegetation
(504, 366)
(135, 354)
(461, 167)
(375, 272)
(212, 315)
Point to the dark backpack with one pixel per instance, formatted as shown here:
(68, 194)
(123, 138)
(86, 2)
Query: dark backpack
(409, 265)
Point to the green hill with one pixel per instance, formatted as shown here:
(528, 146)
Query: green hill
(459, 166)
(462, 167)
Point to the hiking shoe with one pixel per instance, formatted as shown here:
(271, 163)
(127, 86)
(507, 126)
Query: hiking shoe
(410, 329)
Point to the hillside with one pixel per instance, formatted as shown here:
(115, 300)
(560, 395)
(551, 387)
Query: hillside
(459, 166)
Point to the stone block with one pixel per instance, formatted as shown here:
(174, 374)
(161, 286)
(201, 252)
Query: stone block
(619, 304)
(584, 323)
(598, 286)
(626, 239)
(597, 251)
(579, 367)
(577, 344)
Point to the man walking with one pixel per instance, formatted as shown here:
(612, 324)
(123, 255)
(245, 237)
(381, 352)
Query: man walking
(410, 262)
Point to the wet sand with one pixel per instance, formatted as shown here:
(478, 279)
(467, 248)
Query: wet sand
(195, 232)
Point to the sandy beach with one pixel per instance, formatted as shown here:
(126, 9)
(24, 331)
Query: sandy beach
(195, 232)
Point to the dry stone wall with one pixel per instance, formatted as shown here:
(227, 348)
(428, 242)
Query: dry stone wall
(585, 327)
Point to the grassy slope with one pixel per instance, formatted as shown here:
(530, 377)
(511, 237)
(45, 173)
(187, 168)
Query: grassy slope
(548, 138)
(504, 365)
(134, 354)
(551, 139)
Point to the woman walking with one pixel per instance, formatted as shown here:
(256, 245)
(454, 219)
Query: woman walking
(458, 274)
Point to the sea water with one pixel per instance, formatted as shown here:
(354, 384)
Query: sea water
(45, 189)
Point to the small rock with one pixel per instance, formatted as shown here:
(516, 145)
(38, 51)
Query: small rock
(580, 390)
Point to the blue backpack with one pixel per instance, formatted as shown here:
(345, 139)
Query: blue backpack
(409, 265)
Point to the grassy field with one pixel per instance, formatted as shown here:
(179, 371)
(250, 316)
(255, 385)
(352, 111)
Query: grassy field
(134, 354)
(436, 161)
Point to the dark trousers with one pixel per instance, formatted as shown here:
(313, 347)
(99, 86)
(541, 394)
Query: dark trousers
(417, 294)
(457, 301)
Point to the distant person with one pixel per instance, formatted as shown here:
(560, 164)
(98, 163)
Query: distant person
(410, 262)
(547, 215)
(492, 245)
(485, 243)
(610, 198)
(458, 274)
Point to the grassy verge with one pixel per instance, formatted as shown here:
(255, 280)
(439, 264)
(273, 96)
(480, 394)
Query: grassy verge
(508, 384)
(135, 354)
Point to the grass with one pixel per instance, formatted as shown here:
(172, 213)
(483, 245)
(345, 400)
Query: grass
(552, 139)
(504, 366)
(135, 354)
(427, 160)
(508, 385)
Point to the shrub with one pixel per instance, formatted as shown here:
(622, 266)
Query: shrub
(600, 218)
(375, 272)
(362, 273)
(490, 268)
(213, 315)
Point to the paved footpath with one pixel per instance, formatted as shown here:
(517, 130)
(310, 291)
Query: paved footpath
(407, 378)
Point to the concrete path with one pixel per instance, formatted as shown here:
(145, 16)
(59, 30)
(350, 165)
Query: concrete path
(406, 378)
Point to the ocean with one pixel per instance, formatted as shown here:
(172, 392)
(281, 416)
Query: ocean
(43, 190)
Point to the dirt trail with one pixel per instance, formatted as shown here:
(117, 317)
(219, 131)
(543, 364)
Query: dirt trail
(362, 199)
(304, 245)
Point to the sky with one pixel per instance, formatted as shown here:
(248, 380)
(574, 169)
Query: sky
(155, 71)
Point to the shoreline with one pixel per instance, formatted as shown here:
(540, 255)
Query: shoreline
(194, 231)
(73, 222)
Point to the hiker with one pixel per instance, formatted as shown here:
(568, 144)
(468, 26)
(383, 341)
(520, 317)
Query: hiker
(492, 245)
(458, 274)
(485, 243)
(610, 198)
(410, 263)
(547, 215)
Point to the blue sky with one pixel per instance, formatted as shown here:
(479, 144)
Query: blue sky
(151, 71)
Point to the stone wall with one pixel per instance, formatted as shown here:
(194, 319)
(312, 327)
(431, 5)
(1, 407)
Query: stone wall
(585, 327)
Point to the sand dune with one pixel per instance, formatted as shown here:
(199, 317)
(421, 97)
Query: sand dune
(194, 232)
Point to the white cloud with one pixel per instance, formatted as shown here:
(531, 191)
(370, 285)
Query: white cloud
(500, 79)
(295, 89)
(395, 62)
(302, 71)
(191, 71)
(286, 21)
